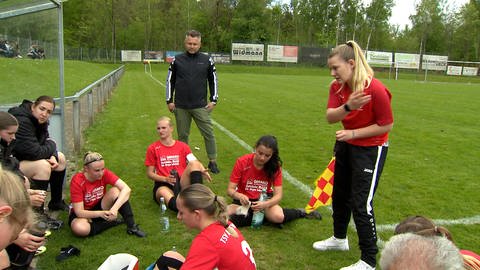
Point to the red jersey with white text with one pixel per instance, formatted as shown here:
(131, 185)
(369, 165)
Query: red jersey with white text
(165, 158)
(377, 111)
(250, 180)
(216, 248)
(90, 193)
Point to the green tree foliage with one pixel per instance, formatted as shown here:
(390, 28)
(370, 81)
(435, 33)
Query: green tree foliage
(161, 25)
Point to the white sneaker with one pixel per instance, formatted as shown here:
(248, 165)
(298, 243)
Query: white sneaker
(360, 265)
(331, 243)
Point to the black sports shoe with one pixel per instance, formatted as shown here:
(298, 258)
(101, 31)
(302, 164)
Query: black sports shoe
(135, 230)
(53, 224)
(311, 215)
(212, 166)
(58, 206)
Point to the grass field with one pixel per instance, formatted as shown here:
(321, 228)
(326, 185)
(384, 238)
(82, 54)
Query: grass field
(431, 168)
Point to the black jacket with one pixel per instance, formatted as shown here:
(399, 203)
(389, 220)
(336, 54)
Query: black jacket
(32, 139)
(7, 160)
(187, 79)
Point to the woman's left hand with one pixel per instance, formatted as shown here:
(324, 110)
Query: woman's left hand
(53, 162)
(110, 215)
(258, 206)
(344, 135)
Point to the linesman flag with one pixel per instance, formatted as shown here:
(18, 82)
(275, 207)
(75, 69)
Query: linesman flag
(323, 188)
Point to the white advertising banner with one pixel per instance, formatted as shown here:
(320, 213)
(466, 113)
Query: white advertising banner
(279, 53)
(131, 56)
(454, 70)
(470, 71)
(407, 60)
(434, 62)
(248, 52)
(376, 58)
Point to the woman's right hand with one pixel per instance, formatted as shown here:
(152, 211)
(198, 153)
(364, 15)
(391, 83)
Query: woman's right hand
(244, 200)
(37, 197)
(29, 242)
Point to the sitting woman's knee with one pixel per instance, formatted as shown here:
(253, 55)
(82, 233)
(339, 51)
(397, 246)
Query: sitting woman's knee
(80, 228)
(62, 162)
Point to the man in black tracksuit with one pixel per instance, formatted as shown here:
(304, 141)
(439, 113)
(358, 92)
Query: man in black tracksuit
(186, 94)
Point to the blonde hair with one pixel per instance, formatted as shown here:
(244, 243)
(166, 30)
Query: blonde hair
(91, 157)
(14, 194)
(166, 118)
(198, 196)
(362, 73)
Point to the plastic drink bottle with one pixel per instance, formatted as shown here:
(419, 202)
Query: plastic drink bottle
(258, 216)
(164, 221)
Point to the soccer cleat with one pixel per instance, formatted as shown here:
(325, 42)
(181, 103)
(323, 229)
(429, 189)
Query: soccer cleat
(360, 265)
(212, 166)
(135, 230)
(332, 243)
(40, 250)
(314, 215)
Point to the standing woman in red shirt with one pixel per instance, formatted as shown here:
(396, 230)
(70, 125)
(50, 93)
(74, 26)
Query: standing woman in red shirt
(363, 105)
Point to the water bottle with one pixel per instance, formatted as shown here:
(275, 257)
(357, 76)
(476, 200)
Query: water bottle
(258, 216)
(164, 221)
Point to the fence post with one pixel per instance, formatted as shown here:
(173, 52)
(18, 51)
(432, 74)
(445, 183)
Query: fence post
(90, 108)
(76, 126)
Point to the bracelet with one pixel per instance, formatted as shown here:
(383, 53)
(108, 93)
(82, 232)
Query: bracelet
(353, 133)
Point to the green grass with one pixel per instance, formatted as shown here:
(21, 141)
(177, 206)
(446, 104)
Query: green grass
(26, 78)
(431, 168)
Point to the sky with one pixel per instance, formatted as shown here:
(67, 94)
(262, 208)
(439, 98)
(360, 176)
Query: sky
(404, 8)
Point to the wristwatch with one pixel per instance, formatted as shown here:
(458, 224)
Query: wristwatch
(346, 107)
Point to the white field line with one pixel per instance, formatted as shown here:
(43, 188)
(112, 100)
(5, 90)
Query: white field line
(308, 191)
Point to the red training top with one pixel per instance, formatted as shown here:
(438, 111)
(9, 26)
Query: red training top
(216, 248)
(250, 180)
(90, 192)
(377, 111)
(166, 158)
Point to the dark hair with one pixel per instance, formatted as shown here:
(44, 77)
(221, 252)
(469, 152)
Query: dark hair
(198, 196)
(422, 226)
(275, 162)
(7, 120)
(41, 99)
(193, 33)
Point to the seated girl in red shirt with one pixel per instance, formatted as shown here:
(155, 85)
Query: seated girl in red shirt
(257, 171)
(219, 245)
(94, 208)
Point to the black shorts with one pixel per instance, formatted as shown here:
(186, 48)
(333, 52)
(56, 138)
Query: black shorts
(157, 186)
(73, 216)
(241, 220)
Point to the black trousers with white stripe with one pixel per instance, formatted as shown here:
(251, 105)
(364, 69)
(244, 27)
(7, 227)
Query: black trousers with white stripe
(357, 172)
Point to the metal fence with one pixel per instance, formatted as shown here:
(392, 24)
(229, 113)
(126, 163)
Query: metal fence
(80, 111)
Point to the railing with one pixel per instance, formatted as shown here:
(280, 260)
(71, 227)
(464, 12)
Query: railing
(80, 110)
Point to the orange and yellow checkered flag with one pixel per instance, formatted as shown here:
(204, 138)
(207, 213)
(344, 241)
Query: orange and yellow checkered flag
(323, 188)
